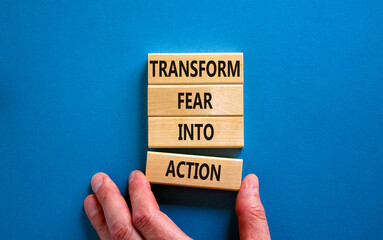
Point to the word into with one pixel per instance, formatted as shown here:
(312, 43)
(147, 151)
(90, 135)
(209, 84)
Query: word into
(195, 131)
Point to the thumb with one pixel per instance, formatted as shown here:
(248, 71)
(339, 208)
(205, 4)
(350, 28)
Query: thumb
(251, 214)
(147, 217)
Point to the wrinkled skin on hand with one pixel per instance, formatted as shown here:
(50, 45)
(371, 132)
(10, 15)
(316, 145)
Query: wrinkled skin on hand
(110, 216)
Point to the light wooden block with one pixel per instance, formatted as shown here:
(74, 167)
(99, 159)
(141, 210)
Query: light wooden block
(195, 100)
(203, 68)
(193, 132)
(194, 171)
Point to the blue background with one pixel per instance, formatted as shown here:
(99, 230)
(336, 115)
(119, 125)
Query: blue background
(73, 78)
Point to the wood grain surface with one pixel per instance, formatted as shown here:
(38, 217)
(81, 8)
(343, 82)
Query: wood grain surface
(174, 76)
(194, 171)
(195, 100)
(193, 132)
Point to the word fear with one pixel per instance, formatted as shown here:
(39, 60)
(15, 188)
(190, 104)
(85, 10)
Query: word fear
(188, 101)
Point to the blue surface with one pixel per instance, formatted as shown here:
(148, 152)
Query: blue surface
(73, 102)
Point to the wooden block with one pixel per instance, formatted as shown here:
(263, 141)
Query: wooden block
(194, 171)
(191, 132)
(204, 68)
(195, 100)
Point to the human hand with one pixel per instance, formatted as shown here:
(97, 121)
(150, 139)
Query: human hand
(111, 217)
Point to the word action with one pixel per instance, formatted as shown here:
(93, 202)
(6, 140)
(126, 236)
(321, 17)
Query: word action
(194, 171)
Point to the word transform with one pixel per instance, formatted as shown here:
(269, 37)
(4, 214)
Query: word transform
(195, 68)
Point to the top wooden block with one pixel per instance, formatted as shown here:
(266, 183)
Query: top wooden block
(202, 68)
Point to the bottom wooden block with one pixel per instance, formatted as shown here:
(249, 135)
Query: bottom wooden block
(194, 171)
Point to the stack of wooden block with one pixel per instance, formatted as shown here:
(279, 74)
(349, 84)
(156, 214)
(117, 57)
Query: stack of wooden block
(195, 101)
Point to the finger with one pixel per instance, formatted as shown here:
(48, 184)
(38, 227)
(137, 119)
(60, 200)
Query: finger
(116, 211)
(251, 214)
(147, 217)
(95, 214)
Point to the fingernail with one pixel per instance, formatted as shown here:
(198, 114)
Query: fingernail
(255, 190)
(92, 208)
(97, 182)
(93, 212)
(131, 177)
(252, 185)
